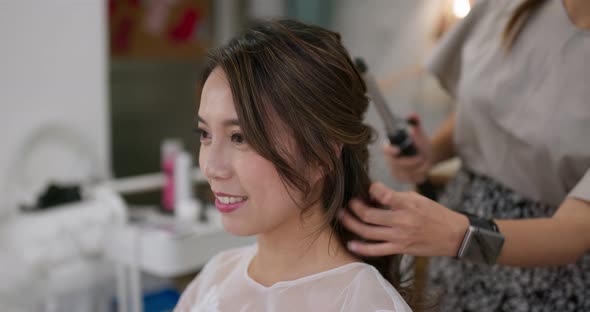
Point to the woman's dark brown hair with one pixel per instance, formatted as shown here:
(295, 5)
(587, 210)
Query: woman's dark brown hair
(288, 73)
(517, 21)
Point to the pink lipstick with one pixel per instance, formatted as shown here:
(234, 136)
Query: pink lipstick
(227, 203)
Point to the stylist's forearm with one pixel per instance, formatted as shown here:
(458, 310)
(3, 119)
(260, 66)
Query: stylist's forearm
(442, 141)
(558, 240)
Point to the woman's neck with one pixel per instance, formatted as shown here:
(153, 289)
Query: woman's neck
(296, 250)
(579, 12)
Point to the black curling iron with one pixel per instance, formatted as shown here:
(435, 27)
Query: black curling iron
(396, 127)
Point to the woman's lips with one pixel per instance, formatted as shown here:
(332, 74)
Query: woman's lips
(230, 202)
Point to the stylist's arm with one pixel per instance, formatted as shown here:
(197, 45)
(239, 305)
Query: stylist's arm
(417, 226)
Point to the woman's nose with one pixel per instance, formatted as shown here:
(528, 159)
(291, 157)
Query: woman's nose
(215, 163)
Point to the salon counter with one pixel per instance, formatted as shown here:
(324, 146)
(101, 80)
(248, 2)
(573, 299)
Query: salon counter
(164, 247)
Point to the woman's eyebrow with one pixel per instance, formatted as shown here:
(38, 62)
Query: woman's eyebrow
(226, 123)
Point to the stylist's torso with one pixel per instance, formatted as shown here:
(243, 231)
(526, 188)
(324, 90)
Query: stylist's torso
(523, 115)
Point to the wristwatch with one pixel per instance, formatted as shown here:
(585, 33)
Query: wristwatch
(482, 241)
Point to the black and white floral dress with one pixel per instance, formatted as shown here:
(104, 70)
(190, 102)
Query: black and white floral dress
(465, 286)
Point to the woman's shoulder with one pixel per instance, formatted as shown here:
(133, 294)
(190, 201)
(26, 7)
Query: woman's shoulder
(369, 287)
(360, 286)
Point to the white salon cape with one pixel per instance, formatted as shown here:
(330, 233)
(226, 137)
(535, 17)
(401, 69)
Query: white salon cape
(224, 285)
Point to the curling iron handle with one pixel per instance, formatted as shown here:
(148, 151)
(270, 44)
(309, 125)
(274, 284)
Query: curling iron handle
(402, 140)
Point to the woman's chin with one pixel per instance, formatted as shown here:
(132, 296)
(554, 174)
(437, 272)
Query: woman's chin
(237, 228)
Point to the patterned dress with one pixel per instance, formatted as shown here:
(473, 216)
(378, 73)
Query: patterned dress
(466, 286)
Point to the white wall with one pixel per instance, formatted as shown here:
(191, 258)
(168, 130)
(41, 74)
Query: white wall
(53, 66)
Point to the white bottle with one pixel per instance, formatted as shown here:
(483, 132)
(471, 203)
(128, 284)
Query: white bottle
(186, 207)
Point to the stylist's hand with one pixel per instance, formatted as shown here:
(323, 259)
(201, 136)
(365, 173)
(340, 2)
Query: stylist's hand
(410, 169)
(412, 224)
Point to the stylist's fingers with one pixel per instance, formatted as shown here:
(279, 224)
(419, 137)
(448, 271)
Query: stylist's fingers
(391, 151)
(420, 139)
(367, 231)
(409, 162)
(374, 249)
(371, 215)
(385, 195)
(392, 155)
(417, 132)
(421, 173)
(415, 177)
(407, 168)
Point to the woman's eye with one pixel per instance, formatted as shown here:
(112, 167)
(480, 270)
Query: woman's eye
(203, 135)
(237, 138)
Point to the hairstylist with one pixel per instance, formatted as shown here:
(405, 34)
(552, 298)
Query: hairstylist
(513, 226)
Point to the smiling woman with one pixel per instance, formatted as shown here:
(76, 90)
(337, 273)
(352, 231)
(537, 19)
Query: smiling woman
(239, 176)
(284, 148)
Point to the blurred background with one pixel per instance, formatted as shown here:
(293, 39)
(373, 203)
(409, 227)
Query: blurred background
(97, 96)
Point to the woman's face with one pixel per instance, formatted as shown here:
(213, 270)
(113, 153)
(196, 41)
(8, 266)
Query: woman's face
(248, 191)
